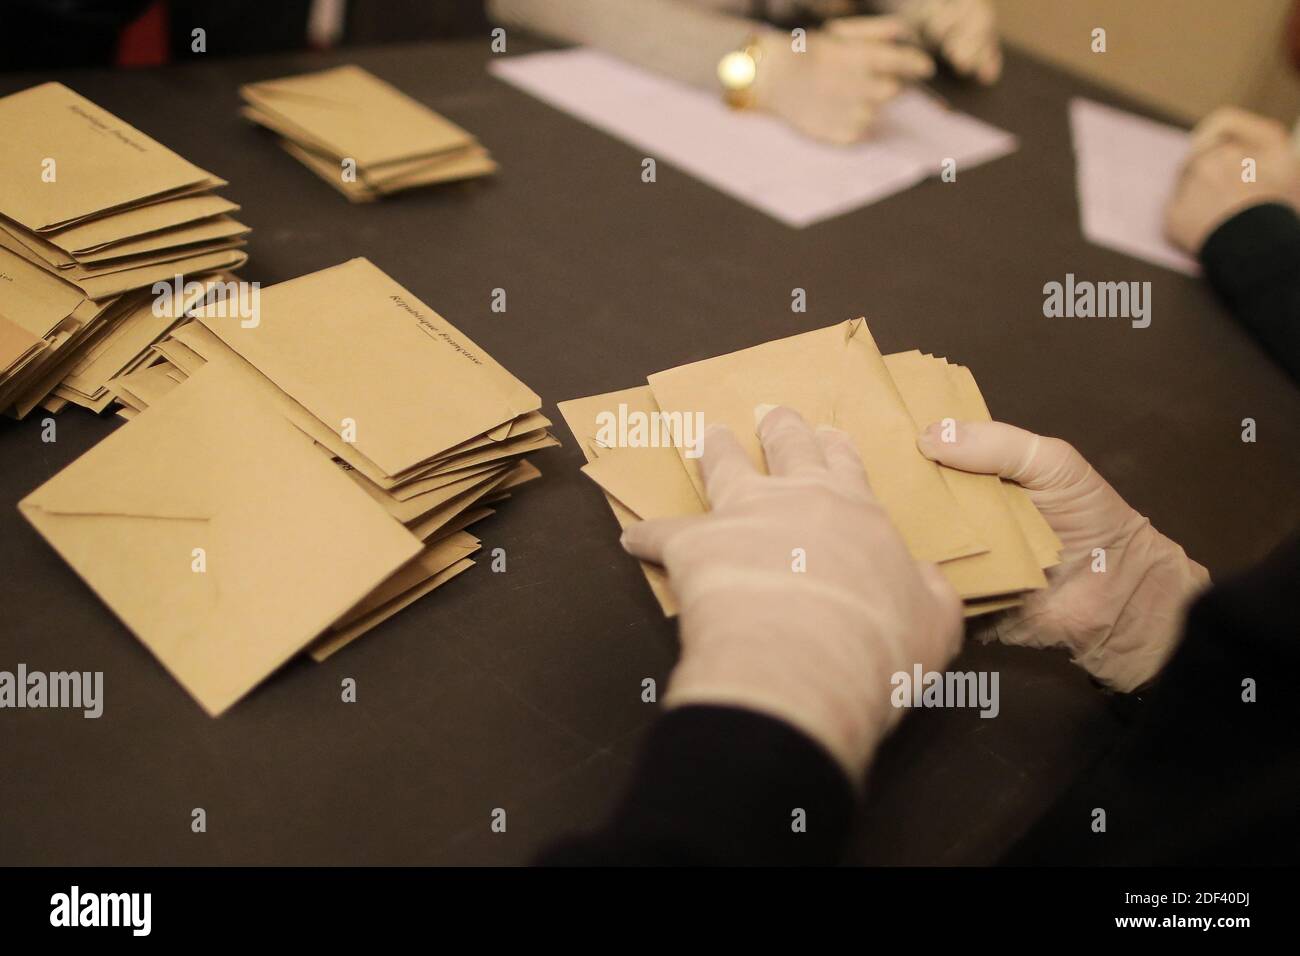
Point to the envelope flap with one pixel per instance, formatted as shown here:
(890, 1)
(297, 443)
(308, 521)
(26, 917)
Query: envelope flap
(356, 114)
(100, 161)
(349, 343)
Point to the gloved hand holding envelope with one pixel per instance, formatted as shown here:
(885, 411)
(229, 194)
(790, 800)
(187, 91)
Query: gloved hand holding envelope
(986, 541)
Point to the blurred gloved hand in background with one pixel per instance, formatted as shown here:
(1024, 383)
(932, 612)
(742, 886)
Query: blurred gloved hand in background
(963, 32)
(834, 90)
(1211, 189)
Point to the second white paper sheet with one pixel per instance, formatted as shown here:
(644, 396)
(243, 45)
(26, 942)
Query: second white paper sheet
(753, 157)
(1127, 167)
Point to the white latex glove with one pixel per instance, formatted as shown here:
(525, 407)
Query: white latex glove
(834, 90)
(1210, 189)
(816, 648)
(1122, 624)
(963, 31)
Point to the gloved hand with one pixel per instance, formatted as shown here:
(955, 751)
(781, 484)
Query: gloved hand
(834, 90)
(1210, 189)
(814, 647)
(963, 31)
(1121, 624)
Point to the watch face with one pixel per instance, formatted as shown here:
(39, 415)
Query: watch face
(736, 70)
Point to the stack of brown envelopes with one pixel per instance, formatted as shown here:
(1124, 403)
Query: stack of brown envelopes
(92, 214)
(364, 137)
(287, 485)
(985, 534)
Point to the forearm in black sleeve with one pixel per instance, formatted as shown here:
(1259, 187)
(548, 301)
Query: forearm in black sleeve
(723, 786)
(1209, 770)
(1253, 263)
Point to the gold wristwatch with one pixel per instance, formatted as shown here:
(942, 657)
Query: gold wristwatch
(738, 71)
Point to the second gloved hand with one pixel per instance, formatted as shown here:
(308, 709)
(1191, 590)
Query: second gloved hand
(963, 31)
(834, 90)
(798, 597)
(1121, 623)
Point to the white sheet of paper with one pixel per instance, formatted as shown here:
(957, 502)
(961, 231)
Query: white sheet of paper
(754, 157)
(1126, 167)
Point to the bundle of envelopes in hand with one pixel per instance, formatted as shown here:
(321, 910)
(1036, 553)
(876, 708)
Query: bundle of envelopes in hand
(361, 135)
(92, 214)
(984, 533)
(287, 485)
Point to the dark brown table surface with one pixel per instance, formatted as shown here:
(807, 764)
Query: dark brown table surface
(522, 690)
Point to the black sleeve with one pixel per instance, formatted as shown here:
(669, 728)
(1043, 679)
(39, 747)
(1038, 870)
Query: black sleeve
(1202, 775)
(1253, 263)
(723, 786)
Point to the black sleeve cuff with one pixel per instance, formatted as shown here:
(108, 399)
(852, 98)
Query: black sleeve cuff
(1252, 247)
(1253, 263)
(724, 786)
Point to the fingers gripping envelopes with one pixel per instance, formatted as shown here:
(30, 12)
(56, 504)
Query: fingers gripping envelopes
(977, 528)
(364, 137)
(289, 486)
(93, 213)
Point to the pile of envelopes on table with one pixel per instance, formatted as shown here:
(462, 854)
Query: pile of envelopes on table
(288, 485)
(361, 135)
(92, 213)
(984, 533)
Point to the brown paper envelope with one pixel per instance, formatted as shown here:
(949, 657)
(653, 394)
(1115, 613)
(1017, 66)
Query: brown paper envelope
(431, 524)
(335, 641)
(351, 112)
(213, 468)
(200, 342)
(202, 188)
(650, 482)
(400, 173)
(798, 371)
(529, 422)
(520, 473)
(131, 338)
(23, 392)
(17, 346)
(490, 450)
(413, 509)
(830, 376)
(77, 274)
(34, 299)
(462, 167)
(203, 342)
(57, 361)
(655, 576)
(146, 387)
(434, 558)
(992, 606)
(512, 448)
(101, 162)
(116, 283)
(183, 238)
(581, 415)
(1042, 539)
(466, 164)
(1009, 565)
(459, 523)
(425, 485)
(350, 343)
(140, 221)
(43, 252)
(907, 484)
(456, 164)
(180, 355)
